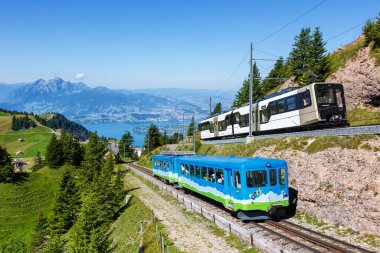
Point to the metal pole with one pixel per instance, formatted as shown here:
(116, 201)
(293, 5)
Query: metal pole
(194, 135)
(210, 106)
(250, 93)
(183, 127)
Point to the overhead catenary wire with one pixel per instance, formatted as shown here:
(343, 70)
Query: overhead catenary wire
(267, 37)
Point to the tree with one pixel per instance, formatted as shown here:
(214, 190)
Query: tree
(317, 57)
(66, 206)
(6, 171)
(93, 157)
(38, 162)
(100, 241)
(190, 130)
(55, 245)
(299, 57)
(126, 142)
(217, 108)
(278, 71)
(165, 138)
(152, 138)
(176, 138)
(371, 31)
(54, 153)
(72, 151)
(242, 95)
(40, 231)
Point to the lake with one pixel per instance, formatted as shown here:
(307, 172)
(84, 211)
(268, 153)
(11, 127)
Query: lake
(138, 130)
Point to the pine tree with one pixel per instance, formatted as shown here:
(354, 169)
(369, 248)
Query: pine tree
(165, 138)
(100, 241)
(152, 138)
(55, 245)
(299, 57)
(317, 57)
(278, 71)
(66, 206)
(38, 162)
(190, 130)
(126, 142)
(217, 108)
(93, 158)
(6, 171)
(72, 152)
(54, 153)
(40, 231)
(242, 95)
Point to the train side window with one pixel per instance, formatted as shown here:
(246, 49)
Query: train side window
(182, 169)
(187, 169)
(244, 120)
(211, 175)
(237, 180)
(282, 176)
(237, 118)
(219, 176)
(291, 102)
(256, 178)
(197, 172)
(204, 173)
(228, 120)
(191, 170)
(211, 127)
(272, 177)
(281, 105)
(306, 100)
(339, 97)
(264, 116)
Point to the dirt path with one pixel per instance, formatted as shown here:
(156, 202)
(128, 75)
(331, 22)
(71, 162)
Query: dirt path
(187, 233)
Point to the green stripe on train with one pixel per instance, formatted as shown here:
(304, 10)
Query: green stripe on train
(263, 206)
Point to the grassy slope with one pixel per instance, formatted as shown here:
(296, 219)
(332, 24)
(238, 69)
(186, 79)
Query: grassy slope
(35, 139)
(363, 116)
(21, 203)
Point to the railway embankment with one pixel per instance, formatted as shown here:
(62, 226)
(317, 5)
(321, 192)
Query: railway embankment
(337, 178)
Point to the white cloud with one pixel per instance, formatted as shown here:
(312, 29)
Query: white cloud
(80, 76)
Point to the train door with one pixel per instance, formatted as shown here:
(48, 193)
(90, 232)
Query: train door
(228, 189)
(236, 186)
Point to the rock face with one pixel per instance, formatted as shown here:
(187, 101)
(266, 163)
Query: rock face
(340, 186)
(360, 78)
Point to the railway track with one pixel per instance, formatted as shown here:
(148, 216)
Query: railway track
(342, 131)
(303, 239)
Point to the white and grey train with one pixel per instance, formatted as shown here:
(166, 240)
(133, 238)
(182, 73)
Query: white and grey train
(312, 106)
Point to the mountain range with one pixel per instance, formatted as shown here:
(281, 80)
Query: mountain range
(84, 104)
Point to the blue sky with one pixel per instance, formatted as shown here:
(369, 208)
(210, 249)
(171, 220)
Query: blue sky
(150, 44)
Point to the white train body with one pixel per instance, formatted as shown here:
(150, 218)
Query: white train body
(312, 105)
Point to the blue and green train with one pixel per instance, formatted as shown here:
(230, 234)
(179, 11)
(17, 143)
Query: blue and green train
(252, 188)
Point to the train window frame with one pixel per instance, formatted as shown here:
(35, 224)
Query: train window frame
(281, 106)
(305, 99)
(219, 176)
(252, 178)
(289, 102)
(272, 177)
(203, 173)
(237, 118)
(182, 166)
(282, 176)
(237, 180)
(244, 120)
(211, 128)
(192, 171)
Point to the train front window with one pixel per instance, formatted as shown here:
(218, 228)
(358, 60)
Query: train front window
(282, 176)
(257, 178)
(325, 96)
(272, 177)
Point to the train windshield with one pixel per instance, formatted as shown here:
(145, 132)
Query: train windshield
(329, 95)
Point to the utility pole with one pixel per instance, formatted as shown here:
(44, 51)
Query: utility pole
(210, 106)
(250, 93)
(194, 135)
(183, 127)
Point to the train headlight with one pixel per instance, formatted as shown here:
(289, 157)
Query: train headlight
(268, 164)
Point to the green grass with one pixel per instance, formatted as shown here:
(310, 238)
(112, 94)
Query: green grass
(35, 139)
(21, 203)
(363, 116)
(4, 113)
(317, 144)
(339, 58)
(126, 229)
(5, 123)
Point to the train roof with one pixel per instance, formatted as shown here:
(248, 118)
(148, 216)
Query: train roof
(233, 161)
